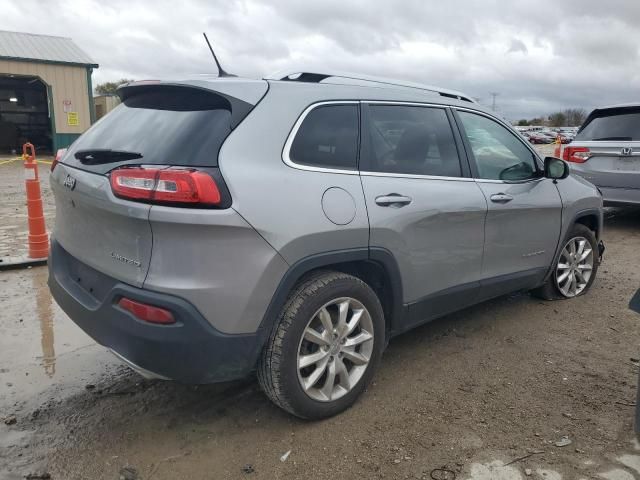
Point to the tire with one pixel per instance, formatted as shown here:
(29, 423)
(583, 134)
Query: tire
(556, 290)
(291, 341)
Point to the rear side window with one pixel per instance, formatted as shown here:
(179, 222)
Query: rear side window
(411, 140)
(328, 138)
(165, 125)
(615, 124)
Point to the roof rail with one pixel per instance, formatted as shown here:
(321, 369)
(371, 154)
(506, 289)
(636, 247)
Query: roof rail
(362, 80)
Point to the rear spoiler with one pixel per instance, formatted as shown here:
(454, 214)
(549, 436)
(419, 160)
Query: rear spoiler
(211, 94)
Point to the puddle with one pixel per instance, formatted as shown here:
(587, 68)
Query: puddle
(495, 470)
(622, 467)
(42, 352)
(617, 474)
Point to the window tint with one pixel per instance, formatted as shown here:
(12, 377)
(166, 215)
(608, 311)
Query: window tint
(615, 124)
(498, 153)
(165, 125)
(328, 137)
(412, 140)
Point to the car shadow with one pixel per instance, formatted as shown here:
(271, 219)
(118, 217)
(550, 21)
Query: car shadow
(623, 218)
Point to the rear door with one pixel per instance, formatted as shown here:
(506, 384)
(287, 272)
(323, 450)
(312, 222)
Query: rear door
(155, 125)
(102, 231)
(423, 206)
(524, 217)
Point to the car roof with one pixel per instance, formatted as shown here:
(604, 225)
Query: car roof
(356, 79)
(327, 89)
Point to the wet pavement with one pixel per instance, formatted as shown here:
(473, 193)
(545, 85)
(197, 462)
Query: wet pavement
(44, 354)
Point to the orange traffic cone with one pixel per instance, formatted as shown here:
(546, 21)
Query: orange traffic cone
(38, 238)
(556, 152)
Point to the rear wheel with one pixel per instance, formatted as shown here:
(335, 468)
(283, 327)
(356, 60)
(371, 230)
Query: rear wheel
(325, 347)
(576, 267)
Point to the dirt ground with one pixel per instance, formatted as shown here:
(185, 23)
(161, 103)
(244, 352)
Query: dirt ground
(466, 394)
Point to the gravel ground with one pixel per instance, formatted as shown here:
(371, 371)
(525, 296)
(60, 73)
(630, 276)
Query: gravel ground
(468, 393)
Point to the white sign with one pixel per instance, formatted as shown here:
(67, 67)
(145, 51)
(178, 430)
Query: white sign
(66, 106)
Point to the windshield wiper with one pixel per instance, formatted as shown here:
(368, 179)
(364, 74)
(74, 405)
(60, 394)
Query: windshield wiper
(99, 156)
(628, 139)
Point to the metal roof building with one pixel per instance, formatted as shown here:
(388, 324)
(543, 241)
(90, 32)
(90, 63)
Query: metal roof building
(45, 91)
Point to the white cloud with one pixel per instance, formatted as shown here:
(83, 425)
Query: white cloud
(540, 56)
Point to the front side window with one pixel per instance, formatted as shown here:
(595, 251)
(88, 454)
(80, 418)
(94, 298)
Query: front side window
(328, 138)
(498, 153)
(411, 140)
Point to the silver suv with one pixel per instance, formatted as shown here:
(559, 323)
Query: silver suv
(214, 227)
(606, 151)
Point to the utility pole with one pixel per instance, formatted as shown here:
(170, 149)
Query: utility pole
(493, 102)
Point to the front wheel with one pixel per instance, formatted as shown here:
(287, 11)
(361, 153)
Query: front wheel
(575, 269)
(325, 347)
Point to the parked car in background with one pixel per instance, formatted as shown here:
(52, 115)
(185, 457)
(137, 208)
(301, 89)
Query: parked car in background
(214, 227)
(606, 151)
(539, 138)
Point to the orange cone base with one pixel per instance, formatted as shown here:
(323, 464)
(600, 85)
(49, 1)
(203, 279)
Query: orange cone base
(38, 246)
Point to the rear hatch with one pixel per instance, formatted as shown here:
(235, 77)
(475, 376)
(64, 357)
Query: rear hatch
(607, 147)
(157, 127)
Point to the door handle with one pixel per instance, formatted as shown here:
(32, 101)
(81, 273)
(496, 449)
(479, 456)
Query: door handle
(501, 198)
(393, 200)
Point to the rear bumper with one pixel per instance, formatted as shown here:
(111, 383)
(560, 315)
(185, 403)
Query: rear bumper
(620, 196)
(189, 351)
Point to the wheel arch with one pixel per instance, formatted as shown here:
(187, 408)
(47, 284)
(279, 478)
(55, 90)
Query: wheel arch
(591, 218)
(375, 266)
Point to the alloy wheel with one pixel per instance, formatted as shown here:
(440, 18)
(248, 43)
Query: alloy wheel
(575, 267)
(335, 349)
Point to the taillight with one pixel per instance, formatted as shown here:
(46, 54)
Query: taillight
(59, 154)
(171, 185)
(576, 154)
(147, 313)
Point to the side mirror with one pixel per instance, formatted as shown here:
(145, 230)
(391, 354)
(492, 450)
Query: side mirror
(555, 168)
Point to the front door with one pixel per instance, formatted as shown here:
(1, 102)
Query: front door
(525, 209)
(423, 206)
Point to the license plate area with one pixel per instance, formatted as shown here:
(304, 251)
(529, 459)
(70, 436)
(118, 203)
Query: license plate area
(92, 282)
(628, 164)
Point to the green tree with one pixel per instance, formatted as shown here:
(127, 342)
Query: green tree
(107, 88)
(523, 123)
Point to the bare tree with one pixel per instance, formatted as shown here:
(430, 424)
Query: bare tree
(557, 119)
(575, 116)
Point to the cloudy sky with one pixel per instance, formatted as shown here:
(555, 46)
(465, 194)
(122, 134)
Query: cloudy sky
(539, 55)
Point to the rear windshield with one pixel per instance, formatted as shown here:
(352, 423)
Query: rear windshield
(162, 125)
(617, 124)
